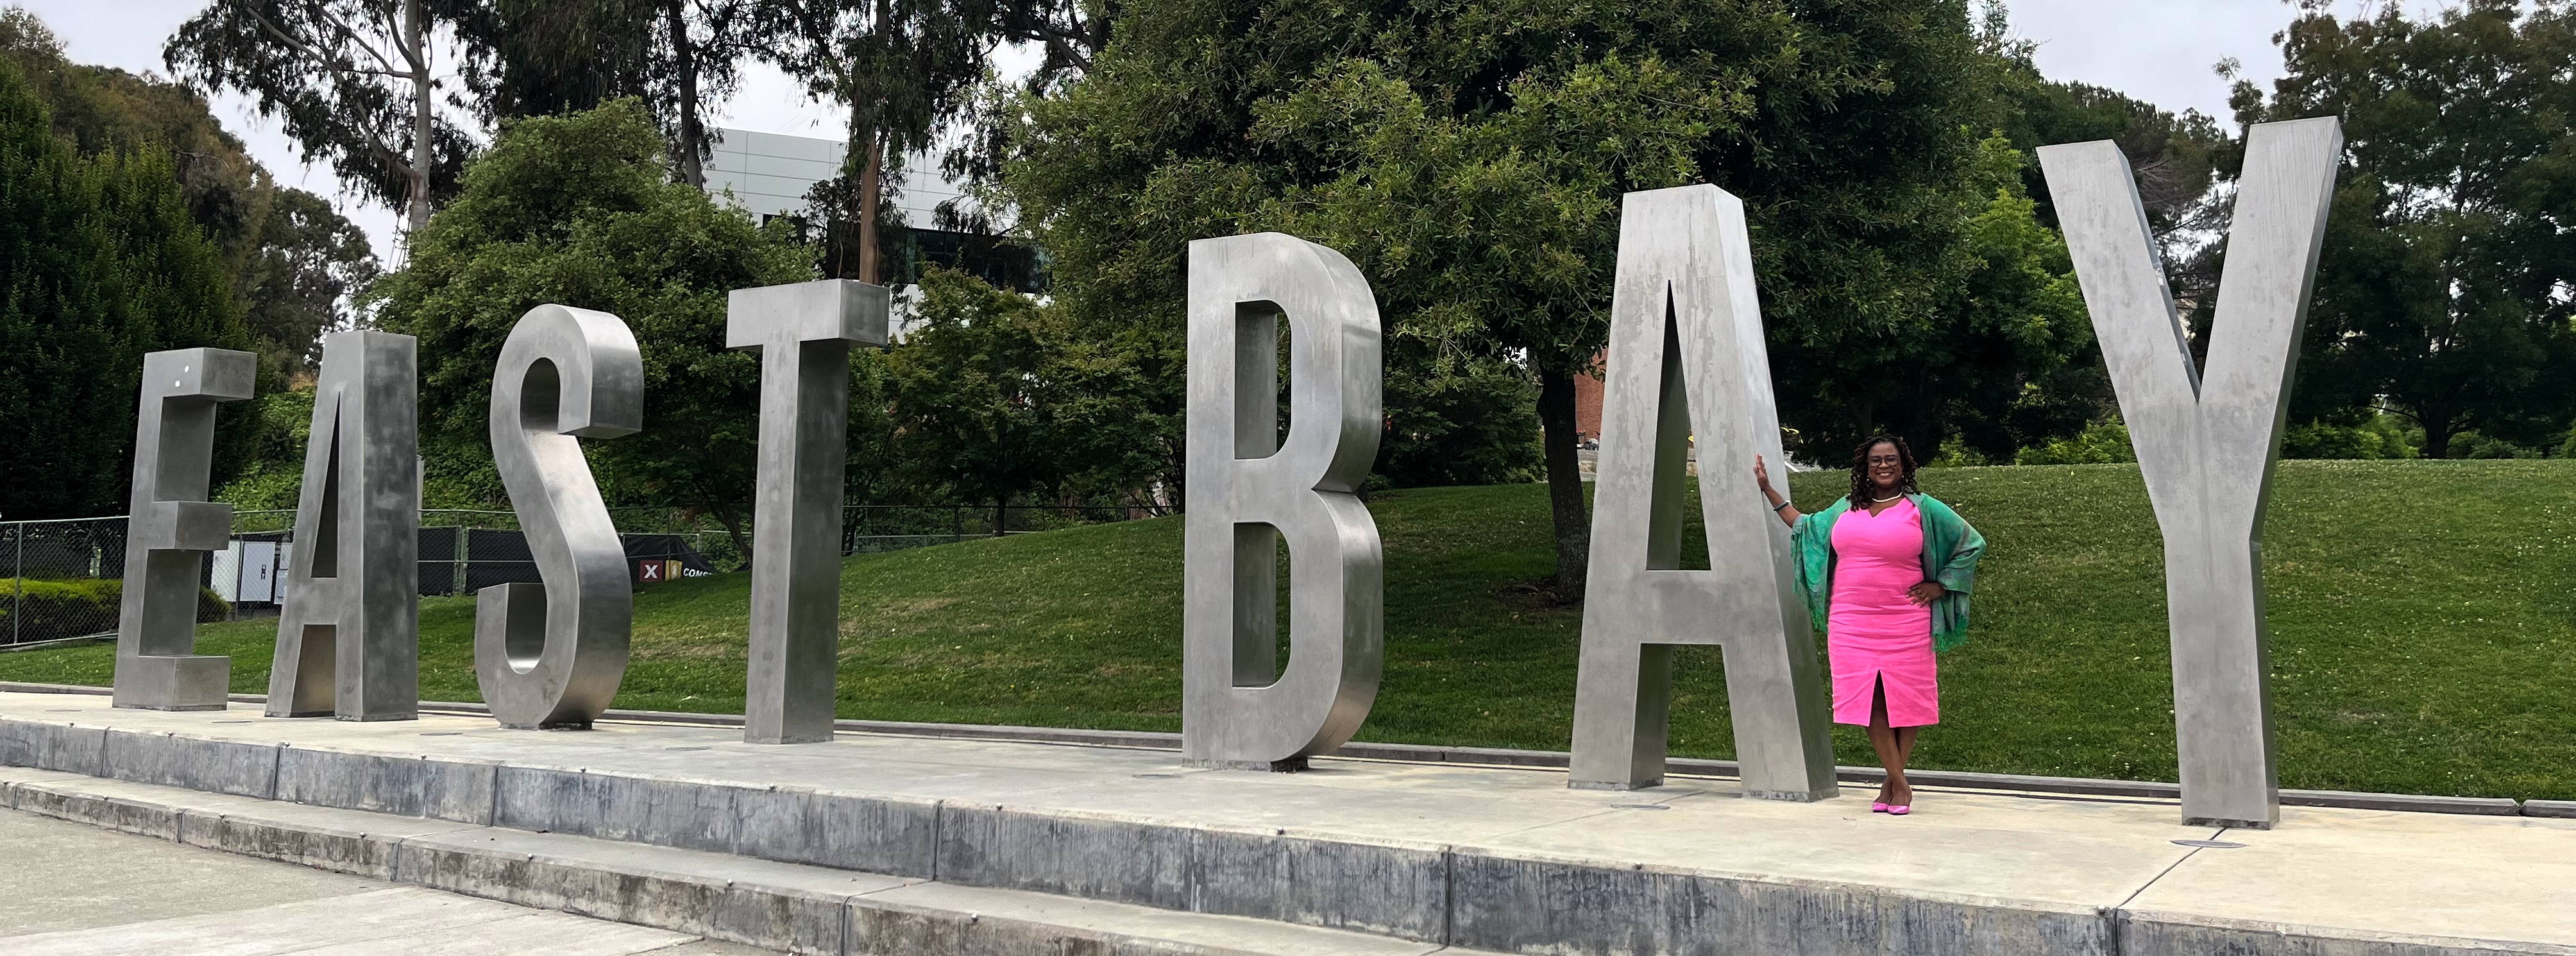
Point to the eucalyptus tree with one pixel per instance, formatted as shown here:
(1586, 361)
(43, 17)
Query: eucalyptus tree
(903, 69)
(548, 58)
(703, 43)
(348, 80)
(551, 57)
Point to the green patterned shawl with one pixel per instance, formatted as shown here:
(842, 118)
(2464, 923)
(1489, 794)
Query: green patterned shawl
(1948, 544)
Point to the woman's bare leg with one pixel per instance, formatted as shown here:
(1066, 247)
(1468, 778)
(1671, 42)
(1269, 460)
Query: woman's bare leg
(1904, 739)
(1883, 738)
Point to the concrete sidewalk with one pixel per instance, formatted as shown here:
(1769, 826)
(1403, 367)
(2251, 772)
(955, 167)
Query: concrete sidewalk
(77, 890)
(1494, 858)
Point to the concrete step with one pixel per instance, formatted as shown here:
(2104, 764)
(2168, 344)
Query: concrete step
(401, 921)
(787, 906)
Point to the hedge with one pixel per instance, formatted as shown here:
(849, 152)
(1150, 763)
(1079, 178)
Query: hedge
(33, 609)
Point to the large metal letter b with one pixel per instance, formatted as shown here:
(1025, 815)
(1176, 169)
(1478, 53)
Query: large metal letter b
(1248, 488)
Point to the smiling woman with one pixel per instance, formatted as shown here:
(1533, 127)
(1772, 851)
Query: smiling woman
(1888, 569)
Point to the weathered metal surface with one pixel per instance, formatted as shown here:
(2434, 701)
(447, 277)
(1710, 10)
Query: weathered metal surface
(804, 333)
(552, 654)
(171, 528)
(348, 634)
(2207, 442)
(1249, 488)
(1688, 359)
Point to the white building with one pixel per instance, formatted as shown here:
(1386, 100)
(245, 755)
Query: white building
(768, 174)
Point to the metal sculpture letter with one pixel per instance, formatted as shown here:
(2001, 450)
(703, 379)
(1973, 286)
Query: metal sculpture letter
(1248, 488)
(552, 654)
(1686, 349)
(804, 333)
(171, 526)
(2206, 442)
(348, 637)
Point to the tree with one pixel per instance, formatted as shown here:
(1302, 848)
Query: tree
(546, 58)
(2011, 362)
(581, 210)
(1470, 158)
(99, 264)
(2443, 288)
(705, 41)
(294, 260)
(348, 80)
(308, 263)
(902, 67)
(975, 395)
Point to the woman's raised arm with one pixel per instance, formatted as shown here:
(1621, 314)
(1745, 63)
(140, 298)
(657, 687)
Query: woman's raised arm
(1779, 504)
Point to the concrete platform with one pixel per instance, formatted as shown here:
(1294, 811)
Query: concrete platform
(1485, 858)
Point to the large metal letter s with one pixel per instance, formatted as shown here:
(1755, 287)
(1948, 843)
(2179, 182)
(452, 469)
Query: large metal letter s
(552, 654)
(1248, 488)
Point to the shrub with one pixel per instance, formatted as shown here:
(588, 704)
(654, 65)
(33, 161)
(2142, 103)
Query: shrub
(33, 609)
(2474, 445)
(2100, 443)
(2383, 436)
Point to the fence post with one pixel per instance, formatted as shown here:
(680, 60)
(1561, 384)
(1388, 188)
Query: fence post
(463, 537)
(18, 583)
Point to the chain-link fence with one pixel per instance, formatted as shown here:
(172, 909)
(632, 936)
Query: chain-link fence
(866, 529)
(65, 577)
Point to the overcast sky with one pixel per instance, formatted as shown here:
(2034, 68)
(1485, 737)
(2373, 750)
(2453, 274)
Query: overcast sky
(2156, 50)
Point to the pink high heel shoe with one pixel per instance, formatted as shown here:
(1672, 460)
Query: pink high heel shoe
(1877, 807)
(1899, 810)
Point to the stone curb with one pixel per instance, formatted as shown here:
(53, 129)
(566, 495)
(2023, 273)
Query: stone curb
(798, 909)
(1534, 759)
(2549, 808)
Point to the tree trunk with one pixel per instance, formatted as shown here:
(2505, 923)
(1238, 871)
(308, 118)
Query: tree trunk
(418, 184)
(869, 194)
(2437, 435)
(1564, 483)
(1001, 516)
(692, 136)
(733, 532)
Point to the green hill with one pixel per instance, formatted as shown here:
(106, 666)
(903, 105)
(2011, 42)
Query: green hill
(2423, 630)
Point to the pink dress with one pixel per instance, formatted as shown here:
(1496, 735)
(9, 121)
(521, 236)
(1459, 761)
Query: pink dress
(1874, 633)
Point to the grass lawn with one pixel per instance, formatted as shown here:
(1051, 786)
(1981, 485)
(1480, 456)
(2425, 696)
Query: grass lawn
(2423, 630)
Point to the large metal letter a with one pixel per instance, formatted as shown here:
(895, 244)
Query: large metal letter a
(551, 654)
(804, 333)
(1248, 488)
(1688, 361)
(348, 639)
(171, 527)
(2206, 442)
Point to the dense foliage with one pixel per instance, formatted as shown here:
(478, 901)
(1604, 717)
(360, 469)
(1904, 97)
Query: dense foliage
(2444, 291)
(581, 210)
(99, 264)
(293, 260)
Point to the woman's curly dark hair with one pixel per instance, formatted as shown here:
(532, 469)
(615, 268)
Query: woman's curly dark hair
(1863, 489)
